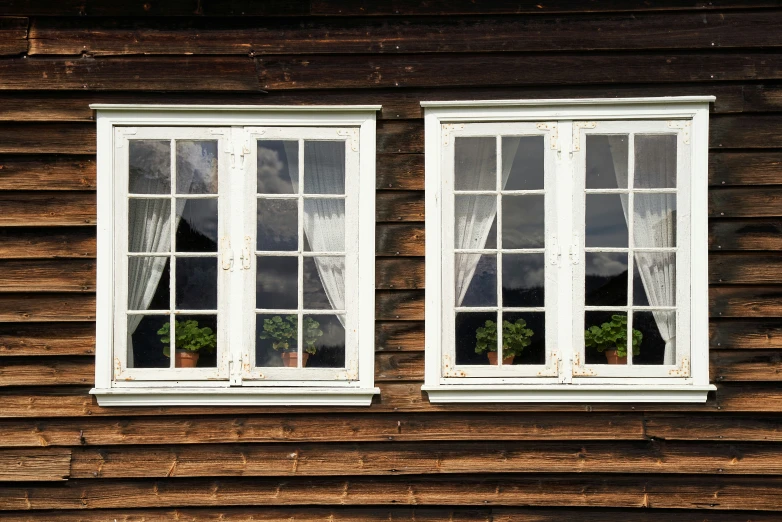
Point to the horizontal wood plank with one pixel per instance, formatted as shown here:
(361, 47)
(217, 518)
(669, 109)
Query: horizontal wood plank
(741, 268)
(712, 493)
(399, 336)
(745, 301)
(181, 73)
(745, 234)
(404, 305)
(745, 168)
(401, 239)
(325, 427)
(35, 465)
(46, 138)
(742, 365)
(758, 131)
(59, 275)
(24, 209)
(397, 367)
(435, 70)
(47, 243)
(716, 428)
(399, 206)
(405, 273)
(42, 172)
(47, 339)
(745, 202)
(341, 459)
(225, 36)
(400, 171)
(13, 35)
(47, 371)
(20, 308)
(745, 334)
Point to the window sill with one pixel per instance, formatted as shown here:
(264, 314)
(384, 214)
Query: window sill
(234, 396)
(568, 393)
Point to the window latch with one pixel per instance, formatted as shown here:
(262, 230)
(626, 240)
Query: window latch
(227, 256)
(244, 257)
(574, 251)
(554, 251)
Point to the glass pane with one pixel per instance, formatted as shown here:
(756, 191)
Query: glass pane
(321, 273)
(276, 340)
(655, 328)
(476, 280)
(149, 166)
(276, 283)
(522, 222)
(278, 167)
(474, 222)
(324, 225)
(605, 337)
(148, 275)
(475, 164)
(524, 337)
(196, 167)
(654, 222)
(145, 349)
(523, 279)
(148, 225)
(324, 341)
(606, 279)
(522, 162)
(654, 279)
(196, 341)
(196, 283)
(606, 225)
(606, 161)
(655, 161)
(474, 336)
(197, 230)
(278, 224)
(324, 167)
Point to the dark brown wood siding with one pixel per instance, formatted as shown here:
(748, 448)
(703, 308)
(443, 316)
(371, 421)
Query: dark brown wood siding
(62, 457)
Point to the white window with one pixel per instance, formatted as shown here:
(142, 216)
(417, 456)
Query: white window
(235, 255)
(580, 227)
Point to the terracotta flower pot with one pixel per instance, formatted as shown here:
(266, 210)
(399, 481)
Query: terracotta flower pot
(613, 358)
(505, 360)
(291, 359)
(186, 359)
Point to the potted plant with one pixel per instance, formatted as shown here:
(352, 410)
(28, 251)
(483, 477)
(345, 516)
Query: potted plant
(611, 338)
(190, 342)
(515, 337)
(283, 331)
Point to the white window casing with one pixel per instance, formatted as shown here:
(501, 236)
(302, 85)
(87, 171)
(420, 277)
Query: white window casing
(565, 375)
(235, 379)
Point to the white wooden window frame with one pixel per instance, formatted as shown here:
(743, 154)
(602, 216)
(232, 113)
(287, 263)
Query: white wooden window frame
(565, 378)
(235, 380)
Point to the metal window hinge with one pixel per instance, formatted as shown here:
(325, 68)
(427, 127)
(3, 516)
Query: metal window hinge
(553, 371)
(578, 370)
(352, 134)
(684, 125)
(246, 256)
(575, 251)
(447, 128)
(554, 251)
(683, 370)
(577, 126)
(227, 254)
(553, 135)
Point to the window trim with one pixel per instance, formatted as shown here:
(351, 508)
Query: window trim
(624, 389)
(358, 392)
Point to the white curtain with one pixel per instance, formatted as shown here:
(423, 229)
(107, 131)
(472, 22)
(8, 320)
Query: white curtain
(324, 219)
(149, 219)
(654, 225)
(474, 214)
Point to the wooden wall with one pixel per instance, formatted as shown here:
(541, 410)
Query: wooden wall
(62, 457)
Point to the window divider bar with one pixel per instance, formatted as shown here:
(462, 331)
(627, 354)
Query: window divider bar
(498, 257)
(630, 242)
(172, 261)
(300, 275)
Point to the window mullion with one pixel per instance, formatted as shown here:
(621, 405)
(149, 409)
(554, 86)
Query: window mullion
(568, 183)
(233, 312)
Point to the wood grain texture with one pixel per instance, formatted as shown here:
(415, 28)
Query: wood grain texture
(715, 428)
(399, 206)
(23, 209)
(47, 243)
(742, 268)
(35, 465)
(435, 70)
(21, 308)
(13, 35)
(400, 239)
(59, 275)
(412, 458)
(759, 131)
(47, 371)
(745, 334)
(628, 491)
(402, 305)
(399, 336)
(399, 367)
(225, 36)
(745, 234)
(47, 339)
(743, 365)
(400, 172)
(745, 202)
(745, 168)
(395, 273)
(745, 301)
(40, 172)
(47, 138)
(325, 427)
(182, 73)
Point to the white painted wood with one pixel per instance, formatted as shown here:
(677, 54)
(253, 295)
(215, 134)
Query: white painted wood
(685, 381)
(352, 385)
